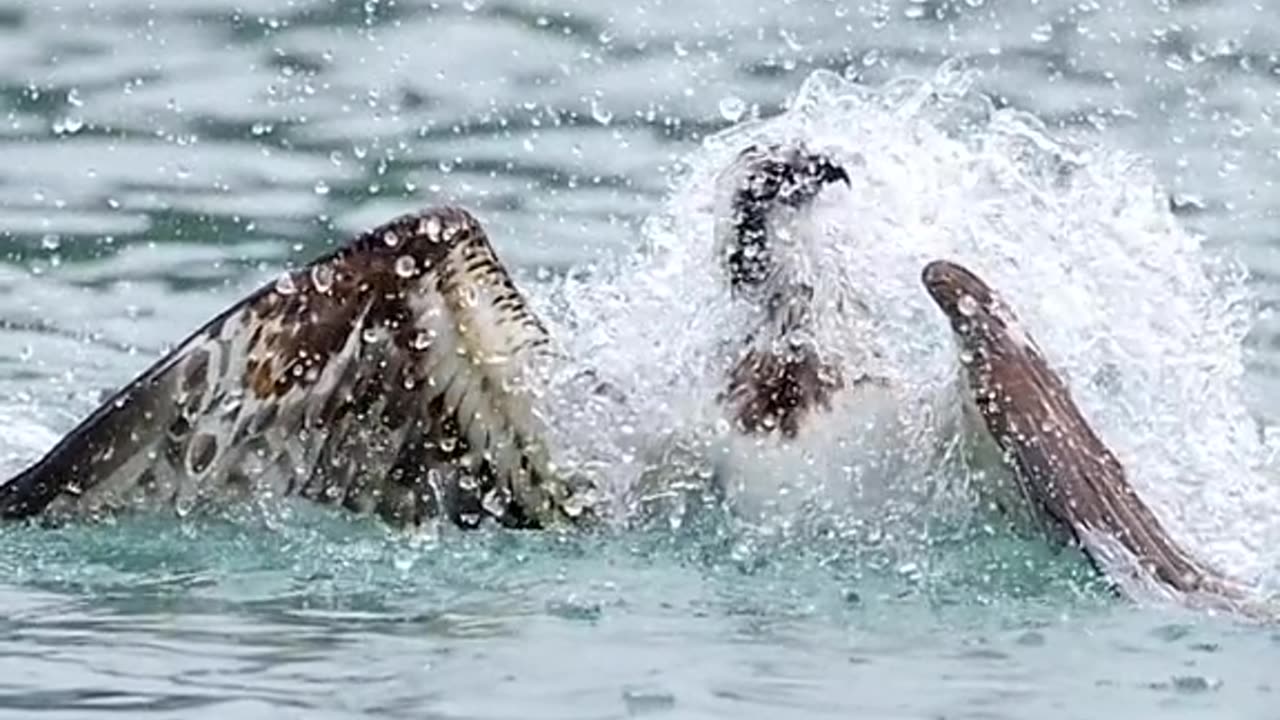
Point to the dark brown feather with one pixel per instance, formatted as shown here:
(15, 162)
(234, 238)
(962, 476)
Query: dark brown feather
(1063, 467)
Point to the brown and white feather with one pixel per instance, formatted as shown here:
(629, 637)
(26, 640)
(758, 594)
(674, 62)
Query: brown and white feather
(398, 375)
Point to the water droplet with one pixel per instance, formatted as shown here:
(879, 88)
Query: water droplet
(599, 113)
(390, 238)
(322, 278)
(285, 284)
(431, 228)
(732, 108)
(449, 444)
(322, 187)
(403, 562)
(421, 341)
(370, 335)
(68, 126)
(406, 266)
(910, 572)
(967, 306)
(183, 504)
(575, 608)
(644, 702)
(495, 502)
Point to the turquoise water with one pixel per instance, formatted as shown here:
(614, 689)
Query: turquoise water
(159, 159)
(323, 617)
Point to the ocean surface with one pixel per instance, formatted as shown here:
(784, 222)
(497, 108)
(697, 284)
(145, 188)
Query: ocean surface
(159, 159)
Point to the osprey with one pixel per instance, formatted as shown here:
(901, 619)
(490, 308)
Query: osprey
(404, 375)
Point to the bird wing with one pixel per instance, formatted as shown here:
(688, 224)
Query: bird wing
(398, 374)
(1063, 468)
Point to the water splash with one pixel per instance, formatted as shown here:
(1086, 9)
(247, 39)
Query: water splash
(1146, 326)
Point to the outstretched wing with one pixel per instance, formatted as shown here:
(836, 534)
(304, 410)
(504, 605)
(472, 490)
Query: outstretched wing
(1062, 466)
(397, 375)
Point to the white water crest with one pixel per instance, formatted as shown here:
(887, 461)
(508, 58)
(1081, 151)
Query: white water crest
(1141, 320)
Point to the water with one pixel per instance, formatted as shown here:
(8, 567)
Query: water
(159, 161)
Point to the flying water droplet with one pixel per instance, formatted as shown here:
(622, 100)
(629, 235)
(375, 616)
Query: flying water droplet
(967, 306)
(68, 126)
(599, 113)
(732, 108)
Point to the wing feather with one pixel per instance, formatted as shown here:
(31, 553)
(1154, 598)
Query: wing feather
(398, 375)
(1062, 466)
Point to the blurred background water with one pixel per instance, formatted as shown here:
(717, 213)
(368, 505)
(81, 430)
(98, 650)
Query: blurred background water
(160, 158)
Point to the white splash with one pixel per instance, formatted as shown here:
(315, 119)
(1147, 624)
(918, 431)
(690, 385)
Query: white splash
(1126, 303)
